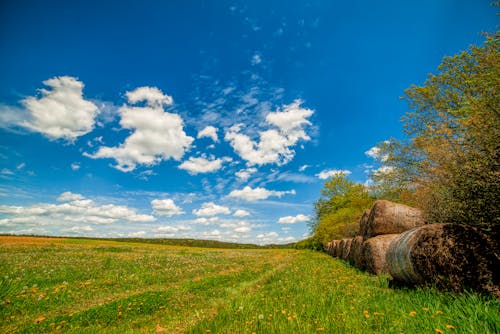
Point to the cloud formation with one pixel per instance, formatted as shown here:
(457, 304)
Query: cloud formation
(325, 174)
(208, 132)
(75, 209)
(241, 213)
(61, 112)
(157, 135)
(211, 209)
(165, 207)
(300, 218)
(203, 165)
(274, 145)
(256, 194)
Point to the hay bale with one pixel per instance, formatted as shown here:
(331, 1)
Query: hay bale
(451, 256)
(355, 258)
(335, 250)
(345, 248)
(363, 223)
(390, 218)
(373, 253)
(328, 247)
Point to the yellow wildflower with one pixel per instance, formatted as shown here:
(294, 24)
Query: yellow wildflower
(412, 313)
(440, 331)
(450, 326)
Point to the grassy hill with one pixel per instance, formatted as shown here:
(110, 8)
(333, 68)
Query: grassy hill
(100, 286)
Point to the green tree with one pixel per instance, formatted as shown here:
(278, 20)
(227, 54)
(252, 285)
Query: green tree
(451, 161)
(339, 209)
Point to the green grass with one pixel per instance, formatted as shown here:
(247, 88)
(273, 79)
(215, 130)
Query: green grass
(86, 286)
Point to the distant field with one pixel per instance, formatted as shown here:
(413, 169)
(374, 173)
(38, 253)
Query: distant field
(94, 286)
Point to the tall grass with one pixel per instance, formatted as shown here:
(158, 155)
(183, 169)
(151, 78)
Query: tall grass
(109, 287)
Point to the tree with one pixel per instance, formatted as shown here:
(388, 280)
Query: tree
(339, 209)
(450, 163)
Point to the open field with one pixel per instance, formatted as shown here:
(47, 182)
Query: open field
(89, 286)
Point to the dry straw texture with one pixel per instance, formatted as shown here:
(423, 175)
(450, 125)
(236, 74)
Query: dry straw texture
(373, 253)
(355, 254)
(391, 218)
(451, 256)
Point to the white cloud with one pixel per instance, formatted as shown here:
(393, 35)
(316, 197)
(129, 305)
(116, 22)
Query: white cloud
(293, 219)
(325, 174)
(61, 112)
(206, 221)
(244, 174)
(256, 59)
(74, 211)
(209, 132)
(241, 213)
(152, 95)
(75, 166)
(157, 135)
(203, 165)
(384, 170)
(255, 194)
(211, 209)
(274, 145)
(138, 234)
(375, 153)
(303, 168)
(165, 207)
(6, 171)
(21, 165)
(68, 196)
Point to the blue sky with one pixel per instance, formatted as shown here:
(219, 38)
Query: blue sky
(204, 119)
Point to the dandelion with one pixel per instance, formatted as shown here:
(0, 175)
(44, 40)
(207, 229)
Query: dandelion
(439, 312)
(412, 313)
(440, 331)
(261, 316)
(450, 326)
(39, 319)
(366, 313)
(320, 329)
(425, 309)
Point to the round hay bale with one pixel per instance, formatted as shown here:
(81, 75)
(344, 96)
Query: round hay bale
(328, 247)
(373, 253)
(355, 253)
(345, 246)
(335, 250)
(451, 256)
(363, 223)
(390, 218)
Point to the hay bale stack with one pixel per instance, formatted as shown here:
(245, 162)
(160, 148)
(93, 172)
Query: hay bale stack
(335, 250)
(390, 218)
(355, 258)
(452, 256)
(328, 248)
(345, 248)
(363, 223)
(373, 253)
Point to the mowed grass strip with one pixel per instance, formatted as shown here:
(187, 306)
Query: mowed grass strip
(105, 287)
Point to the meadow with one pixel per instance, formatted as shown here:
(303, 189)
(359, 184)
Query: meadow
(52, 285)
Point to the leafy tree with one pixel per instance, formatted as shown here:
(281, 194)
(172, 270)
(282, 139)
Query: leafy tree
(450, 164)
(339, 209)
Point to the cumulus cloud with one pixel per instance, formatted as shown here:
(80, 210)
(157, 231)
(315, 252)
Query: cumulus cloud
(274, 145)
(293, 219)
(303, 168)
(211, 209)
(165, 207)
(68, 196)
(75, 166)
(256, 59)
(325, 174)
(375, 153)
(208, 132)
(203, 165)
(254, 194)
(61, 112)
(157, 135)
(206, 221)
(241, 213)
(75, 210)
(244, 174)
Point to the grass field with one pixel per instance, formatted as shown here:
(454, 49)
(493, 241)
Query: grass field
(89, 286)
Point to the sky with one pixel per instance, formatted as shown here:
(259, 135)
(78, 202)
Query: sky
(205, 119)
